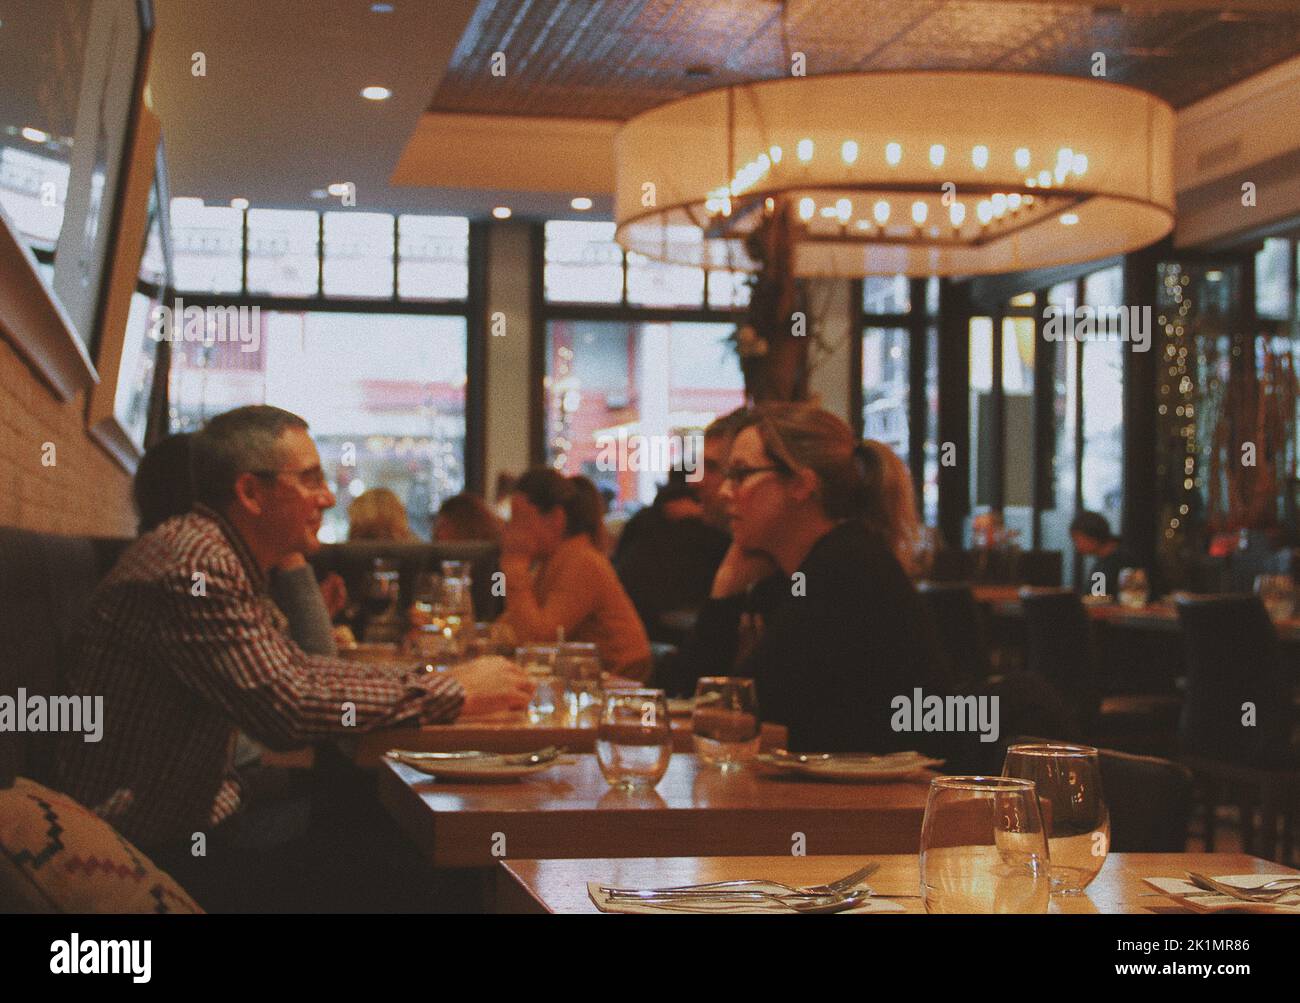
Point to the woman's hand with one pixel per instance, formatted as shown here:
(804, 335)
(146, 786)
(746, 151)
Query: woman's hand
(739, 570)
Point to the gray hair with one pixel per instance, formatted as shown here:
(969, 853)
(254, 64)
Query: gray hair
(245, 440)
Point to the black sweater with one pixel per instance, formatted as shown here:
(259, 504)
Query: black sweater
(831, 661)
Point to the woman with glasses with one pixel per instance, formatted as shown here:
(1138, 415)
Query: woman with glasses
(810, 600)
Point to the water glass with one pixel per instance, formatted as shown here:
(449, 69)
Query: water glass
(1134, 589)
(633, 739)
(1277, 593)
(983, 847)
(725, 721)
(1075, 816)
(578, 664)
(547, 704)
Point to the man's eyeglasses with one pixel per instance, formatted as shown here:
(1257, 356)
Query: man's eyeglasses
(312, 479)
(737, 475)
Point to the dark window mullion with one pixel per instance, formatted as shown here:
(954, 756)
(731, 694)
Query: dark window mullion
(998, 420)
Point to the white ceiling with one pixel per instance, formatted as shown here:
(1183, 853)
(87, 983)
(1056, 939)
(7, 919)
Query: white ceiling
(279, 112)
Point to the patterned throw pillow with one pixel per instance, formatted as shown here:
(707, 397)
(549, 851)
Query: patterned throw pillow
(57, 856)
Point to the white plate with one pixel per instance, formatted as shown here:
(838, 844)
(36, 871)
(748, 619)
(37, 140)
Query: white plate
(851, 768)
(485, 767)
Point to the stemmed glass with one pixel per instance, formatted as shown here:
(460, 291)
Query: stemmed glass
(1277, 593)
(1068, 781)
(633, 739)
(983, 847)
(725, 722)
(1134, 590)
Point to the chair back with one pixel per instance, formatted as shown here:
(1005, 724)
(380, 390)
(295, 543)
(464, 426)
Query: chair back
(1237, 704)
(1059, 648)
(960, 628)
(45, 583)
(1149, 799)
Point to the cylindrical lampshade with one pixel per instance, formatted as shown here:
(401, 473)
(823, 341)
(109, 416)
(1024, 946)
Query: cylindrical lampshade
(971, 173)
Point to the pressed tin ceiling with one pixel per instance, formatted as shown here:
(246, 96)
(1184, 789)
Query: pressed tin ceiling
(615, 58)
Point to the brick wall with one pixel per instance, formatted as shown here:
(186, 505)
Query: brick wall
(85, 492)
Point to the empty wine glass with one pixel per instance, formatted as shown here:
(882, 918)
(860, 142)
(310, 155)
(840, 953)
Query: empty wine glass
(1277, 593)
(379, 600)
(1068, 781)
(725, 721)
(983, 848)
(1134, 589)
(633, 739)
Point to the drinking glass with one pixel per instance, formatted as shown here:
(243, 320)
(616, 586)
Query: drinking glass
(578, 664)
(1277, 593)
(454, 606)
(379, 601)
(633, 739)
(725, 722)
(983, 848)
(548, 701)
(1134, 590)
(1075, 816)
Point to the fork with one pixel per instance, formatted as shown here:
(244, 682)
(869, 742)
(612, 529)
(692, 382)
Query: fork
(1263, 893)
(837, 887)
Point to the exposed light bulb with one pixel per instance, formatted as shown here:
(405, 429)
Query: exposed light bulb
(979, 156)
(1080, 165)
(1044, 178)
(881, 212)
(957, 213)
(893, 154)
(937, 153)
(1069, 218)
(1022, 158)
(984, 211)
(999, 201)
(806, 208)
(804, 150)
(775, 153)
(849, 151)
(919, 212)
(844, 209)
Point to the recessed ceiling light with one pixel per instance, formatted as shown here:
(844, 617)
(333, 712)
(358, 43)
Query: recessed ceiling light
(381, 8)
(319, 193)
(581, 203)
(1069, 218)
(338, 188)
(35, 135)
(376, 93)
(240, 204)
(501, 212)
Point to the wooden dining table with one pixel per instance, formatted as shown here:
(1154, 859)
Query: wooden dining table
(510, 732)
(571, 811)
(560, 886)
(1004, 600)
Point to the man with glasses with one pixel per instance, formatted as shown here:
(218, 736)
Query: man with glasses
(184, 645)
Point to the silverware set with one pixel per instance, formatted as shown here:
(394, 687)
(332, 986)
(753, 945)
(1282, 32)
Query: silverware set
(844, 893)
(412, 758)
(1267, 893)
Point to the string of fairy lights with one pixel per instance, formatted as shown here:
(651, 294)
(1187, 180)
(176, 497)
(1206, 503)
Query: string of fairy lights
(1178, 394)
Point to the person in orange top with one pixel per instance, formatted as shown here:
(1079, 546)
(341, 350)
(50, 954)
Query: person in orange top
(573, 588)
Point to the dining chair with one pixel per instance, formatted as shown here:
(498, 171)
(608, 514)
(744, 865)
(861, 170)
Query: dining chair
(1149, 800)
(1061, 646)
(960, 629)
(1235, 731)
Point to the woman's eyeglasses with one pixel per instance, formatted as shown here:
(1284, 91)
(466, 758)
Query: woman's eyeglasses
(737, 475)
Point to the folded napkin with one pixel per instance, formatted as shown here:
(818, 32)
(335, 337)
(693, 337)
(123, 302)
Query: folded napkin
(603, 903)
(1187, 894)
